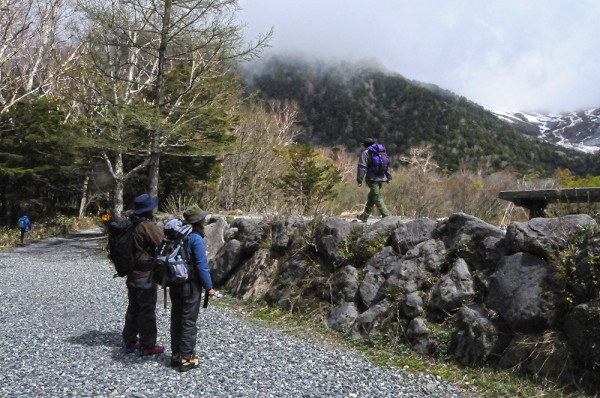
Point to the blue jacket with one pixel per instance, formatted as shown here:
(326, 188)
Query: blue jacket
(27, 223)
(197, 254)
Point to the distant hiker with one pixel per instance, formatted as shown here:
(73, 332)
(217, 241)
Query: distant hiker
(139, 332)
(185, 298)
(24, 225)
(374, 167)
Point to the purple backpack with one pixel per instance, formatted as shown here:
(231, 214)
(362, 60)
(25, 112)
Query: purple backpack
(379, 161)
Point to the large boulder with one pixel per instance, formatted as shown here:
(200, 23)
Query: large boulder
(581, 330)
(371, 320)
(417, 334)
(376, 272)
(428, 256)
(523, 293)
(329, 236)
(342, 317)
(254, 276)
(386, 273)
(288, 234)
(214, 237)
(344, 284)
(477, 242)
(474, 337)
(453, 289)
(225, 262)
(412, 306)
(288, 282)
(250, 232)
(543, 236)
(462, 229)
(409, 234)
(376, 235)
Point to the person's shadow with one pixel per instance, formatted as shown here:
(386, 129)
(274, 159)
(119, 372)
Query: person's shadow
(114, 340)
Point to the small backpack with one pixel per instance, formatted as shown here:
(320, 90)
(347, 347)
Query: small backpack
(379, 160)
(120, 245)
(22, 224)
(171, 266)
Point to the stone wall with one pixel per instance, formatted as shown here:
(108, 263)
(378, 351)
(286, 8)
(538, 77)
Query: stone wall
(525, 297)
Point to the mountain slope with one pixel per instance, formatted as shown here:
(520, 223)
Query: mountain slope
(343, 103)
(577, 130)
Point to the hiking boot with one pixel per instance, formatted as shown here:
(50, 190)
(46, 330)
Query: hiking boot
(175, 361)
(363, 217)
(188, 363)
(147, 351)
(131, 348)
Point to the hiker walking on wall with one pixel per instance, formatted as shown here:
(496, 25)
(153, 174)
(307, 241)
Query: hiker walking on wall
(374, 167)
(24, 225)
(139, 332)
(185, 298)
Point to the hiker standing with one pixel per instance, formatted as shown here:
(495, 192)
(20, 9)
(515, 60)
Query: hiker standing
(139, 332)
(24, 225)
(185, 298)
(374, 176)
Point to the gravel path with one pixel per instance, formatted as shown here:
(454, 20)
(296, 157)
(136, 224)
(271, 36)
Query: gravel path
(61, 315)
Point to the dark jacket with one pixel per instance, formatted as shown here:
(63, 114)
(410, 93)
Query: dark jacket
(147, 236)
(363, 170)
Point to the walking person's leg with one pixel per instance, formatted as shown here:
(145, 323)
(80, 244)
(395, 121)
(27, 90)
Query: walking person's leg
(370, 202)
(378, 199)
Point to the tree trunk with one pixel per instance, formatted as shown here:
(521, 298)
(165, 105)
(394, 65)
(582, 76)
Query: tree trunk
(118, 198)
(83, 203)
(160, 100)
(118, 186)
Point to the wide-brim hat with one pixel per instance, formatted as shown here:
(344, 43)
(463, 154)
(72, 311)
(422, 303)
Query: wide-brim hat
(195, 214)
(144, 203)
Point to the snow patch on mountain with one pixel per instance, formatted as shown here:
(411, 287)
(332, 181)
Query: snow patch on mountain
(575, 130)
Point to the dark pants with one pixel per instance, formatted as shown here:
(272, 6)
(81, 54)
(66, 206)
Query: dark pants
(185, 305)
(23, 232)
(140, 318)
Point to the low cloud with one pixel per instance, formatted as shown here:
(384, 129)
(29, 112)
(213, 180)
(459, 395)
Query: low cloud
(504, 54)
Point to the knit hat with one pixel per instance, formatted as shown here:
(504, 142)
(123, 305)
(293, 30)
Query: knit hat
(194, 214)
(369, 141)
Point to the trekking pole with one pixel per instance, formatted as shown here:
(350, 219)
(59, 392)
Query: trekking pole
(206, 295)
(165, 297)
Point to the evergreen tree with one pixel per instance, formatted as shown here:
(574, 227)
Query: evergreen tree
(40, 159)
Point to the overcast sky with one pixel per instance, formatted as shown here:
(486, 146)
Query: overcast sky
(528, 55)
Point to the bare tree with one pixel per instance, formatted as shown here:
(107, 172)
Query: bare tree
(34, 48)
(170, 62)
(253, 161)
(108, 90)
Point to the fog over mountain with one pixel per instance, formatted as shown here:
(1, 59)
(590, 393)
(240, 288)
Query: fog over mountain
(539, 56)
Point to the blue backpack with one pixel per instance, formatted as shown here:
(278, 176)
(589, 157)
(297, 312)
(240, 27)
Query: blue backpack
(22, 224)
(379, 160)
